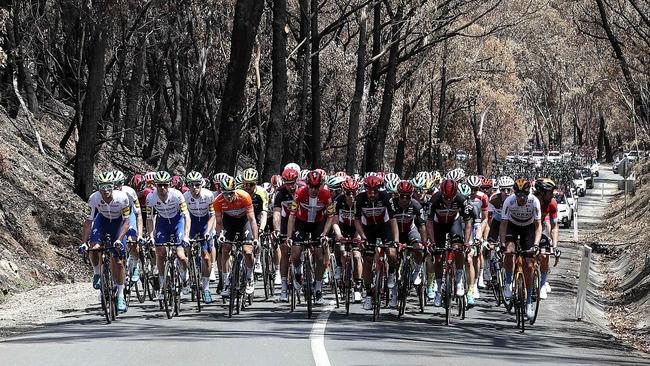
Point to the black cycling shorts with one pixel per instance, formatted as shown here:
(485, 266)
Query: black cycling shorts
(303, 229)
(410, 237)
(374, 232)
(455, 230)
(240, 229)
(524, 235)
(493, 236)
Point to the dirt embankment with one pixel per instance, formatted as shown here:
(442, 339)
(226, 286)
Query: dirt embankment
(40, 216)
(623, 247)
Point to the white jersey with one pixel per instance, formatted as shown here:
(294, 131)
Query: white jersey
(119, 206)
(133, 199)
(523, 215)
(201, 206)
(167, 209)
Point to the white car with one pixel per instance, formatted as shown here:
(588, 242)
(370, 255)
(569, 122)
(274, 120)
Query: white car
(580, 183)
(537, 156)
(564, 210)
(594, 167)
(511, 157)
(554, 156)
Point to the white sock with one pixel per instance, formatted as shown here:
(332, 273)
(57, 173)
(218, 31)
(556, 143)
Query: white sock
(97, 269)
(205, 281)
(284, 284)
(161, 281)
(438, 284)
(226, 278)
(459, 277)
(120, 290)
(318, 285)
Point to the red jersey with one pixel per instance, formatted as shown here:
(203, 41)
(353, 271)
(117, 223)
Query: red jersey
(312, 209)
(549, 210)
(142, 197)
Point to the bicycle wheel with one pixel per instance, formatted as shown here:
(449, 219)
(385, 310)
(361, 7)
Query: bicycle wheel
(419, 290)
(462, 300)
(105, 295)
(270, 273)
(307, 283)
(196, 279)
(234, 288)
(403, 282)
(178, 285)
(536, 299)
(334, 283)
(167, 290)
(110, 289)
(448, 285)
(520, 301)
(265, 273)
(507, 303)
(378, 283)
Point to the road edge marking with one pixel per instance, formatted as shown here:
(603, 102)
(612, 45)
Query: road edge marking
(317, 336)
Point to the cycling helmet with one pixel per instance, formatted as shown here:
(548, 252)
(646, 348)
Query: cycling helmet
(322, 172)
(334, 182)
(250, 175)
(149, 177)
(341, 174)
(465, 189)
(137, 181)
(369, 174)
(437, 178)
(162, 177)
(391, 177)
(449, 188)
(457, 174)
(293, 166)
(506, 182)
(267, 187)
(238, 181)
(545, 184)
(228, 184)
(219, 176)
(303, 174)
(118, 177)
(276, 181)
(314, 179)
(177, 181)
(391, 187)
(418, 183)
(487, 183)
(522, 185)
(381, 176)
(289, 176)
(350, 184)
(194, 177)
(105, 178)
(372, 183)
(428, 184)
(405, 187)
(474, 181)
(426, 175)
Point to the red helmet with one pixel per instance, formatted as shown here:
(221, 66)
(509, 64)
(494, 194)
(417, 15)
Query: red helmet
(350, 184)
(405, 187)
(487, 183)
(314, 178)
(341, 174)
(276, 181)
(381, 175)
(177, 181)
(289, 176)
(449, 188)
(372, 183)
(137, 181)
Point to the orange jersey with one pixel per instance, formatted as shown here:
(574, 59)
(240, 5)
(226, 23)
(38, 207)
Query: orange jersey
(238, 207)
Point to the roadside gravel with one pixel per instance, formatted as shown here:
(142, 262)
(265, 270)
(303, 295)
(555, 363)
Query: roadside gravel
(29, 309)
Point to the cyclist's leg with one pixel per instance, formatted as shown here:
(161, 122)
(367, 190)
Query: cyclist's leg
(248, 250)
(284, 255)
(97, 235)
(545, 246)
(527, 242)
(179, 230)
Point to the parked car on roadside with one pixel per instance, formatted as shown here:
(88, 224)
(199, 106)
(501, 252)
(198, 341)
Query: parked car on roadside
(594, 167)
(554, 156)
(589, 177)
(564, 210)
(580, 183)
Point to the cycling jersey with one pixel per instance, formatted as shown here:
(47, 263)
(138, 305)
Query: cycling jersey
(523, 215)
(133, 199)
(495, 206)
(283, 200)
(409, 217)
(480, 203)
(260, 200)
(201, 210)
(168, 209)
(440, 213)
(312, 209)
(142, 197)
(549, 210)
(344, 212)
(119, 207)
(375, 212)
(236, 208)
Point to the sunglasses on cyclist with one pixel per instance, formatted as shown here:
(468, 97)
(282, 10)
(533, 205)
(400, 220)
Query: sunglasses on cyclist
(106, 187)
(405, 196)
(195, 185)
(350, 193)
(506, 190)
(250, 184)
(162, 185)
(229, 195)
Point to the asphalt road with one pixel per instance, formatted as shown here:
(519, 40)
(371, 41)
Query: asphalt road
(267, 334)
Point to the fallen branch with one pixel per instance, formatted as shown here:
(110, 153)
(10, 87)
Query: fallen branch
(30, 117)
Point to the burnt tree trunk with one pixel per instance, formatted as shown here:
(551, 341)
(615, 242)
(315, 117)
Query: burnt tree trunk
(374, 81)
(401, 145)
(274, 135)
(248, 14)
(357, 98)
(315, 89)
(304, 127)
(134, 93)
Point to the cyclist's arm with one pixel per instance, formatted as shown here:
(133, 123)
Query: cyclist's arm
(423, 233)
(468, 231)
(359, 227)
(538, 232)
(85, 233)
(263, 217)
(329, 223)
(211, 225)
(253, 222)
(429, 227)
(503, 229)
(395, 229)
(218, 222)
(555, 233)
(290, 226)
(126, 212)
(277, 219)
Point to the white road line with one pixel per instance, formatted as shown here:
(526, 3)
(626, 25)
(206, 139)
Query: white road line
(317, 336)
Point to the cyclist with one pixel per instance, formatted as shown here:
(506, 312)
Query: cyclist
(449, 213)
(135, 223)
(216, 258)
(281, 212)
(495, 207)
(544, 191)
(234, 216)
(374, 219)
(521, 222)
(167, 206)
(199, 203)
(107, 213)
(411, 226)
(311, 207)
(260, 199)
(479, 202)
(342, 224)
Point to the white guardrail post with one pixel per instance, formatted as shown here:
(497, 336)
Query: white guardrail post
(583, 281)
(575, 225)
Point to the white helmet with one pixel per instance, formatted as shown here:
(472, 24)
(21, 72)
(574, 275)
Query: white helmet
(303, 174)
(457, 174)
(293, 166)
(506, 182)
(392, 178)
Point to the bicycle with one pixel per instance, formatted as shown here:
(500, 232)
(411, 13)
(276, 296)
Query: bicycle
(128, 283)
(449, 271)
(347, 284)
(380, 279)
(237, 297)
(519, 290)
(171, 290)
(404, 282)
(149, 272)
(537, 285)
(268, 266)
(334, 282)
(107, 289)
(195, 267)
(496, 273)
(308, 272)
